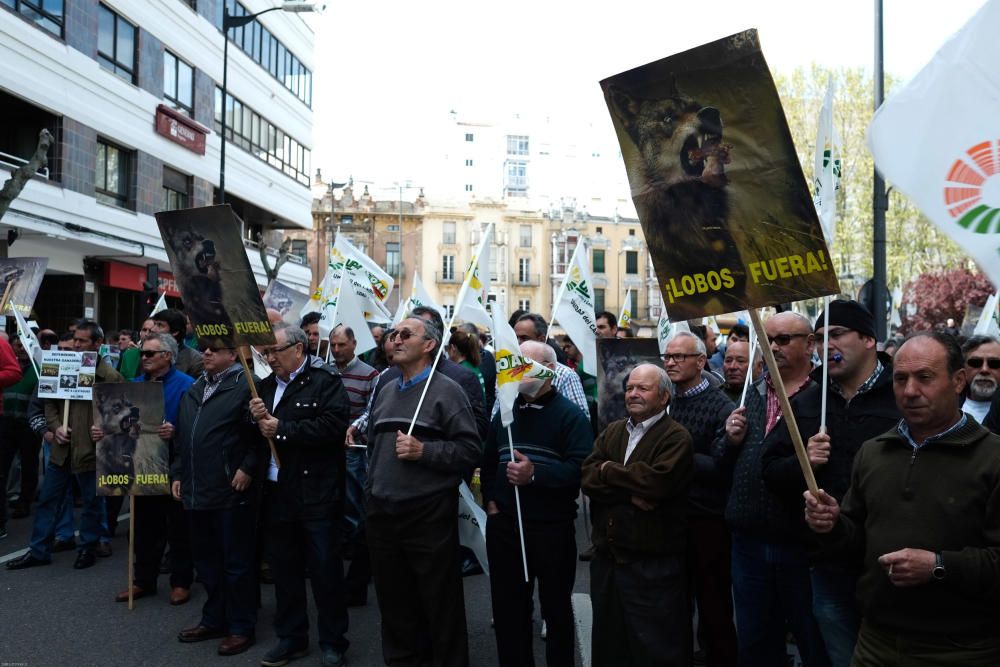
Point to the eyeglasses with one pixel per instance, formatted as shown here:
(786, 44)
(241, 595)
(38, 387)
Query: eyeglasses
(149, 354)
(678, 357)
(781, 340)
(977, 362)
(402, 334)
(275, 350)
(215, 350)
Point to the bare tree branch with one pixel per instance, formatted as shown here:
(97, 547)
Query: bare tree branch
(13, 186)
(283, 253)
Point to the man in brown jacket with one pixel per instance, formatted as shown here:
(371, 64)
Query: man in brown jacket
(637, 479)
(74, 454)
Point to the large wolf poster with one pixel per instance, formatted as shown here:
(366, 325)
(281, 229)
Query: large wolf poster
(214, 276)
(721, 197)
(131, 457)
(24, 275)
(616, 358)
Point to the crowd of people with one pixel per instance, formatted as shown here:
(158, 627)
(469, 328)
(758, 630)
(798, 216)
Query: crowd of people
(703, 536)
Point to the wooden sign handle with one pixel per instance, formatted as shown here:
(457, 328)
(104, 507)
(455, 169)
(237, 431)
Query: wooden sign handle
(253, 392)
(786, 408)
(131, 550)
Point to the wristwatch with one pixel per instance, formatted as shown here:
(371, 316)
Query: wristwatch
(938, 572)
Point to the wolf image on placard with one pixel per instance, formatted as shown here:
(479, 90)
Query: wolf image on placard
(124, 452)
(199, 266)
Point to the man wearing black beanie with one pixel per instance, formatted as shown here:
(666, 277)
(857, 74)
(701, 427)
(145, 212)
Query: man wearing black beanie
(860, 405)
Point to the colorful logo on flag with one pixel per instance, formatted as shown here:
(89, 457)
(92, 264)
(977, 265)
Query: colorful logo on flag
(972, 190)
(474, 282)
(577, 284)
(511, 366)
(379, 286)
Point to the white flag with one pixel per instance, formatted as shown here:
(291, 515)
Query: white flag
(826, 167)
(346, 307)
(418, 297)
(938, 139)
(987, 325)
(512, 366)
(161, 304)
(897, 303)
(665, 329)
(372, 284)
(472, 526)
(28, 340)
(574, 309)
(470, 306)
(625, 319)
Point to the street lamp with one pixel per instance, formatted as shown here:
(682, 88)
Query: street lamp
(399, 264)
(237, 22)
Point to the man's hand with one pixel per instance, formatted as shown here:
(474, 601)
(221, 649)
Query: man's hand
(268, 426)
(736, 426)
(520, 470)
(257, 409)
(175, 489)
(62, 435)
(241, 481)
(408, 448)
(96, 433)
(818, 449)
(491, 508)
(822, 511)
(643, 504)
(908, 567)
(49, 437)
(165, 431)
(349, 440)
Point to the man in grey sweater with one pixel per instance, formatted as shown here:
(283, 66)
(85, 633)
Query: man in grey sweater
(412, 494)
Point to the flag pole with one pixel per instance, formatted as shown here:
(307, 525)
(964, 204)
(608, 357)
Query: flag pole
(786, 408)
(748, 380)
(826, 363)
(517, 501)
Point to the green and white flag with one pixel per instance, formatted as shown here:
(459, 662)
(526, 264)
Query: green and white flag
(574, 309)
(665, 329)
(470, 306)
(988, 325)
(826, 167)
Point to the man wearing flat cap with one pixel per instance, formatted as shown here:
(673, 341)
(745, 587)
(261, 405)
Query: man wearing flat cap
(860, 405)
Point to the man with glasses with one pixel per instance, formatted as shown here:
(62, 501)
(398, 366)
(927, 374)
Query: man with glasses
(412, 495)
(982, 361)
(73, 455)
(860, 406)
(158, 519)
(174, 322)
(303, 408)
(703, 410)
(771, 588)
(217, 473)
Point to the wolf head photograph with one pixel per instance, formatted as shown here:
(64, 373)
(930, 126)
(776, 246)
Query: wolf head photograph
(678, 178)
(121, 422)
(198, 269)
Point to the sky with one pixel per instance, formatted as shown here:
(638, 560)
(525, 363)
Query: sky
(387, 71)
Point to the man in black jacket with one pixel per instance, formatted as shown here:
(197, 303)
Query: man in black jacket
(304, 410)
(860, 406)
(216, 473)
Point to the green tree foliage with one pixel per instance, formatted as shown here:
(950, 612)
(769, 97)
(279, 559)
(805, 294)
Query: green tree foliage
(914, 246)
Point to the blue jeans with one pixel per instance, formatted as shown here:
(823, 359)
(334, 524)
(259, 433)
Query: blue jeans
(64, 512)
(836, 609)
(771, 588)
(54, 488)
(357, 476)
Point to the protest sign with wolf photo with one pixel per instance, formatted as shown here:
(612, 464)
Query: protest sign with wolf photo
(214, 276)
(24, 276)
(287, 301)
(720, 193)
(131, 457)
(616, 358)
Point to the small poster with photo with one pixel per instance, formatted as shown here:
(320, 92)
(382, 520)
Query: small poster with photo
(131, 457)
(68, 375)
(23, 276)
(616, 358)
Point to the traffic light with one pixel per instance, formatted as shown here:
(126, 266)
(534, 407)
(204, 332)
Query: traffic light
(151, 286)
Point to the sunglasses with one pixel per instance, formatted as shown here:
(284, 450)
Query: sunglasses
(781, 340)
(402, 334)
(977, 362)
(149, 354)
(215, 350)
(275, 350)
(678, 357)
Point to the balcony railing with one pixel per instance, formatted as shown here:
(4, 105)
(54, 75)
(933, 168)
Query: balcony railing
(525, 279)
(448, 278)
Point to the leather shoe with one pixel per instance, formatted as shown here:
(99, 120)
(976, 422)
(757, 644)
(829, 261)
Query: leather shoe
(179, 595)
(235, 644)
(84, 560)
(332, 658)
(63, 545)
(137, 592)
(103, 549)
(26, 561)
(283, 653)
(199, 633)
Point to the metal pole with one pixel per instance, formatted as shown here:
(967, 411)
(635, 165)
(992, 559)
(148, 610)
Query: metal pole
(221, 199)
(880, 203)
(399, 259)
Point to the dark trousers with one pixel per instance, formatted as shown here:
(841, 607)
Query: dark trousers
(313, 544)
(640, 612)
(16, 437)
(772, 592)
(885, 648)
(223, 542)
(113, 507)
(551, 551)
(836, 610)
(710, 584)
(160, 520)
(415, 563)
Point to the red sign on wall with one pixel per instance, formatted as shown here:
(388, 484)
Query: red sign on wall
(180, 129)
(131, 277)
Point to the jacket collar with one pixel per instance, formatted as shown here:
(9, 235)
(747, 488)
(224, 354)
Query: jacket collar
(964, 436)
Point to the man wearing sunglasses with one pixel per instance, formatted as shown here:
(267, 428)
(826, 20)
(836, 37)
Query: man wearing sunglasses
(860, 406)
(982, 363)
(303, 408)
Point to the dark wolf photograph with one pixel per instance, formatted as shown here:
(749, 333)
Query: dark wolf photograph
(213, 274)
(26, 274)
(616, 357)
(727, 215)
(287, 301)
(131, 457)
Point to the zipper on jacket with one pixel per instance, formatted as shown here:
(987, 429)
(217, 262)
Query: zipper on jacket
(194, 429)
(907, 492)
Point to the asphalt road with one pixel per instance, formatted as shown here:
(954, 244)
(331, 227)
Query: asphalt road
(57, 616)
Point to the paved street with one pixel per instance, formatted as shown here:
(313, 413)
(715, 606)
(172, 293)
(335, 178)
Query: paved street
(56, 615)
